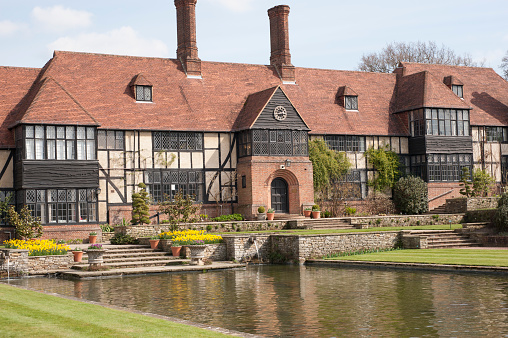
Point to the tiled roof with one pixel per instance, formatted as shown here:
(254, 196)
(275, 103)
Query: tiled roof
(15, 84)
(484, 90)
(252, 108)
(424, 90)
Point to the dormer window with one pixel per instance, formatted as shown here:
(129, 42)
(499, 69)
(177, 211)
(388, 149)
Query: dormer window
(144, 93)
(458, 90)
(351, 102)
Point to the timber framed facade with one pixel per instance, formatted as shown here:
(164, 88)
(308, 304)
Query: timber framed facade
(233, 135)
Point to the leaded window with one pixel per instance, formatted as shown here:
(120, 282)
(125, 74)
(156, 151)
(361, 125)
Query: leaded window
(144, 93)
(345, 142)
(111, 139)
(177, 141)
(447, 167)
(353, 185)
(447, 122)
(162, 184)
(351, 102)
(6, 196)
(419, 166)
(59, 143)
(417, 123)
(262, 142)
(496, 134)
(62, 205)
(458, 90)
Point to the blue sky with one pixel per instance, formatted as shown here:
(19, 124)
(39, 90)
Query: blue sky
(323, 34)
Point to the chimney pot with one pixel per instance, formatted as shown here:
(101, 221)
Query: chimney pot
(280, 56)
(187, 51)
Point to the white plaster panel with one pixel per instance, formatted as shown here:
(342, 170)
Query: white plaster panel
(116, 159)
(103, 212)
(130, 143)
(212, 158)
(383, 141)
(404, 145)
(476, 152)
(360, 161)
(185, 160)
(211, 140)
(369, 142)
(496, 152)
(102, 156)
(113, 195)
(504, 148)
(145, 151)
(164, 159)
(215, 190)
(233, 157)
(225, 146)
(197, 160)
(352, 159)
(395, 145)
(7, 180)
(475, 134)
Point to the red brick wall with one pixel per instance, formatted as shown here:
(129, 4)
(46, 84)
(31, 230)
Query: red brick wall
(260, 171)
(439, 188)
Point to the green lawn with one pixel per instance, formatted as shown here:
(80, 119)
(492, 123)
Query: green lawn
(26, 313)
(437, 256)
(332, 231)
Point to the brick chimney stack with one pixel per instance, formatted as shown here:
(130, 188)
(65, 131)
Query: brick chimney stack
(280, 56)
(187, 51)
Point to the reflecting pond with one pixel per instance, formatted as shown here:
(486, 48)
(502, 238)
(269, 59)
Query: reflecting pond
(311, 300)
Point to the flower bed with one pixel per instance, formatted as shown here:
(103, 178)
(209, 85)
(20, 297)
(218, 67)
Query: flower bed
(191, 237)
(38, 247)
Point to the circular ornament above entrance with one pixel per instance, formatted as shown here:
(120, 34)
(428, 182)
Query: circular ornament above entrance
(280, 113)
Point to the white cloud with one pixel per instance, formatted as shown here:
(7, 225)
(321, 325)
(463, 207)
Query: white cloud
(235, 5)
(58, 18)
(123, 41)
(8, 28)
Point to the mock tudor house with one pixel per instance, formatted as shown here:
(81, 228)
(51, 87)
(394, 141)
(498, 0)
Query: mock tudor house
(79, 134)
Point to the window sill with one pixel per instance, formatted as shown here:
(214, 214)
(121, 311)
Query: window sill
(144, 102)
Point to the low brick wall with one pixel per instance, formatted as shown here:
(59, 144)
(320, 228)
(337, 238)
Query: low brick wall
(461, 205)
(406, 220)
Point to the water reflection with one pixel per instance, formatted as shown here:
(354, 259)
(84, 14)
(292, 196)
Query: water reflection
(311, 301)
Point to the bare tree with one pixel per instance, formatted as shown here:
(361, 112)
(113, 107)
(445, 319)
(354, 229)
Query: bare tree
(422, 52)
(504, 66)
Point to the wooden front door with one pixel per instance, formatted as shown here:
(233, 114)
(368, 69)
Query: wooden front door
(280, 196)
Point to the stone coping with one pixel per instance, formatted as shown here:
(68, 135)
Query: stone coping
(76, 274)
(411, 266)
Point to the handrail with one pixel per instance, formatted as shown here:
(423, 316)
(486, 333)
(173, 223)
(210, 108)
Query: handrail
(438, 196)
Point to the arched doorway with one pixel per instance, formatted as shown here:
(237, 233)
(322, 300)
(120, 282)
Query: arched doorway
(280, 196)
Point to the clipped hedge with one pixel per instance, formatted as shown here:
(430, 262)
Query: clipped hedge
(410, 195)
(501, 215)
(480, 215)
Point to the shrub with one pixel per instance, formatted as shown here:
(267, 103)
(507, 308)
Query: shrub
(228, 218)
(410, 195)
(140, 208)
(27, 226)
(315, 207)
(327, 214)
(350, 211)
(107, 228)
(261, 210)
(121, 239)
(208, 227)
(501, 214)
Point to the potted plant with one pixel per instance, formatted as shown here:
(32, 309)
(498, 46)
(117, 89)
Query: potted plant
(307, 212)
(197, 249)
(78, 254)
(261, 213)
(95, 254)
(270, 214)
(154, 242)
(315, 211)
(176, 247)
(92, 237)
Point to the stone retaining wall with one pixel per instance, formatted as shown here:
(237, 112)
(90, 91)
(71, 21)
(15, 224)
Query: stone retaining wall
(247, 247)
(406, 220)
(139, 231)
(48, 264)
(461, 205)
(15, 261)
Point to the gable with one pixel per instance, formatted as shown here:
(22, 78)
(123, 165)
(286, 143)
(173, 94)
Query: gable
(266, 119)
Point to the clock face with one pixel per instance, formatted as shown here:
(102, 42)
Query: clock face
(280, 113)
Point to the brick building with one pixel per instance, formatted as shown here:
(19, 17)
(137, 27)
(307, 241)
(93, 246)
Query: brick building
(79, 134)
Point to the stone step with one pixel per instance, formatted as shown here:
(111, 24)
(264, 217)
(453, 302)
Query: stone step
(137, 259)
(137, 250)
(136, 264)
(135, 254)
(453, 245)
(277, 217)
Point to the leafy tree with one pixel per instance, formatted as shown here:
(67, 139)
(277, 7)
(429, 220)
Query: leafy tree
(329, 168)
(465, 183)
(4, 205)
(410, 195)
(386, 164)
(423, 52)
(180, 209)
(140, 206)
(483, 183)
(504, 66)
(27, 226)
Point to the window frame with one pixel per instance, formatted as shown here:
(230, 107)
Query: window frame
(458, 90)
(161, 182)
(146, 89)
(273, 142)
(351, 102)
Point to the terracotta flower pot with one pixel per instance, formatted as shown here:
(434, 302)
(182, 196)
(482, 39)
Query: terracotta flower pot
(175, 250)
(78, 256)
(316, 214)
(154, 243)
(270, 216)
(92, 239)
(307, 213)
